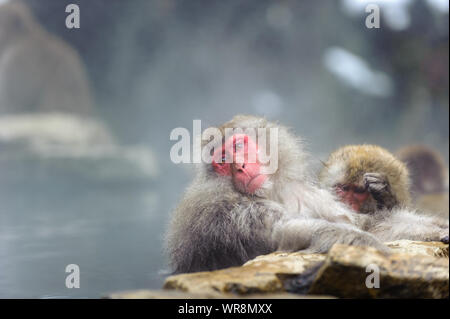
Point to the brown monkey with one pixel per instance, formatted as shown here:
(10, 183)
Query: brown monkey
(234, 211)
(429, 177)
(367, 178)
(371, 181)
(38, 72)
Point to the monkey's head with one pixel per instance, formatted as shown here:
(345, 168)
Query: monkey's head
(254, 156)
(15, 19)
(345, 172)
(247, 176)
(427, 168)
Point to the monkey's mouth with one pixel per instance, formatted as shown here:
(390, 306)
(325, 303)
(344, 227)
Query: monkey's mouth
(255, 183)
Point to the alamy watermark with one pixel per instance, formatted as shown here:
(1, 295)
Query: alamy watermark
(373, 19)
(73, 19)
(73, 279)
(373, 280)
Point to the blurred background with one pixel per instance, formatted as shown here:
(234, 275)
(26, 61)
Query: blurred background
(85, 114)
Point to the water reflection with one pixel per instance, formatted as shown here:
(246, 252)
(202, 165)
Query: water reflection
(88, 202)
(109, 233)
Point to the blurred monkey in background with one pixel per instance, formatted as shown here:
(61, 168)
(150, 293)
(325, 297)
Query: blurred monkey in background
(429, 178)
(38, 72)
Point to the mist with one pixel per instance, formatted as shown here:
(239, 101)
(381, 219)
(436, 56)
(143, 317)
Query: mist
(103, 200)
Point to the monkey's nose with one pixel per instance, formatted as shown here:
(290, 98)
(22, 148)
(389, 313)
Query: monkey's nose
(239, 166)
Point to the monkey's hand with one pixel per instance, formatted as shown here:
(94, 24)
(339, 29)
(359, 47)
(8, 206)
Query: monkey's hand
(378, 186)
(443, 229)
(438, 229)
(441, 236)
(354, 237)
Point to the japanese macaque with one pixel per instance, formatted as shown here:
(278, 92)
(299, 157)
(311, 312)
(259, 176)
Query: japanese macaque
(429, 178)
(235, 211)
(38, 72)
(375, 184)
(367, 178)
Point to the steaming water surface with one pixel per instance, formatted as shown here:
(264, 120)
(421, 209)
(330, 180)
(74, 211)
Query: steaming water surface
(53, 215)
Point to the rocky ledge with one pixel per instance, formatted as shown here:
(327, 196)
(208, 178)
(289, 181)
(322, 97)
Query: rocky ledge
(412, 270)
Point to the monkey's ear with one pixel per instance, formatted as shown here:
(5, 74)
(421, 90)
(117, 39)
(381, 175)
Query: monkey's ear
(20, 17)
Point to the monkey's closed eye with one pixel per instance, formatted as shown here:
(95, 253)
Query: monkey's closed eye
(359, 190)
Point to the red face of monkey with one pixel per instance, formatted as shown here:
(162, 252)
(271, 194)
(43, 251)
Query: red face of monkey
(245, 167)
(352, 195)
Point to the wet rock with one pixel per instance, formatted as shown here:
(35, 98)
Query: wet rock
(175, 294)
(401, 274)
(413, 270)
(264, 274)
(436, 249)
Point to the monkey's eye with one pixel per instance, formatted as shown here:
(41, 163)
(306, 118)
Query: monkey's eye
(238, 146)
(345, 188)
(240, 143)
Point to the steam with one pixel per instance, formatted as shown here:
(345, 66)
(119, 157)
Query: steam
(66, 136)
(356, 73)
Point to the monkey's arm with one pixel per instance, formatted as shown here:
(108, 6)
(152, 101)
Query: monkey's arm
(406, 224)
(321, 222)
(316, 235)
(220, 232)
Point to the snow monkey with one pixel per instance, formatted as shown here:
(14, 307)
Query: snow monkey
(38, 71)
(367, 178)
(429, 178)
(233, 212)
(427, 169)
(375, 184)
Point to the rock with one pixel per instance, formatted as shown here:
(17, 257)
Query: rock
(175, 294)
(50, 146)
(402, 275)
(414, 270)
(264, 274)
(436, 249)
